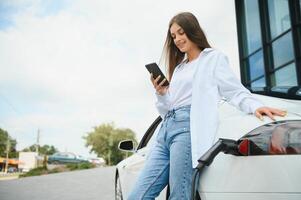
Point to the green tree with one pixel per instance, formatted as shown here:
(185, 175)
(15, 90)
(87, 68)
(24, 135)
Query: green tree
(4, 138)
(104, 140)
(44, 150)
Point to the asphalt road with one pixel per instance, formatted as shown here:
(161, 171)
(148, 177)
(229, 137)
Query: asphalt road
(90, 184)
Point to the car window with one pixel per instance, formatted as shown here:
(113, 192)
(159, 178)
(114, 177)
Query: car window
(149, 133)
(281, 137)
(152, 140)
(68, 155)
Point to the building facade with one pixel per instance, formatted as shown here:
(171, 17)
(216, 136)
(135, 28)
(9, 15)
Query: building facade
(269, 36)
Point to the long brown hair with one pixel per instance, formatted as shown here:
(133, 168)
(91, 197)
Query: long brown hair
(189, 23)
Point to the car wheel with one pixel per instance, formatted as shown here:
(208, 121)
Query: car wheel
(118, 191)
(55, 163)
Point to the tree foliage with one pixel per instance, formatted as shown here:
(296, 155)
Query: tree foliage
(44, 150)
(4, 138)
(104, 140)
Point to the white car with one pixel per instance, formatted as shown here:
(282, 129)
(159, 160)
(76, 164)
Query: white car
(261, 171)
(97, 161)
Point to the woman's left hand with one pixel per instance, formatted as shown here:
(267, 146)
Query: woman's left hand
(270, 112)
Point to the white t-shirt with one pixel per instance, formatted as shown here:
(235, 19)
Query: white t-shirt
(179, 92)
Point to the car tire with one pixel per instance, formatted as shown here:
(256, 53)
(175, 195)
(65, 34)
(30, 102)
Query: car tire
(55, 163)
(118, 191)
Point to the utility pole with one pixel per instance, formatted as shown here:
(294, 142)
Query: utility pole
(110, 147)
(37, 149)
(38, 141)
(7, 152)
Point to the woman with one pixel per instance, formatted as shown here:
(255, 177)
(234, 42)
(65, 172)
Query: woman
(199, 76)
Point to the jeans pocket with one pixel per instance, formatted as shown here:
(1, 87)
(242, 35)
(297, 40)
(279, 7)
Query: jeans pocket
(159, 136)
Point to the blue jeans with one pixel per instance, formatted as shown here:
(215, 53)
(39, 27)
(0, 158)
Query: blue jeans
(169, 161)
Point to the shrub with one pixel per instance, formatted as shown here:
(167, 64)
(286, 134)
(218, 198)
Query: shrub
(57, 169)
(77, 166)
(72, 166)
(35, 172)
(68, 167)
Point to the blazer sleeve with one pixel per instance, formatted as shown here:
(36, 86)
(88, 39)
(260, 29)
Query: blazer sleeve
(231, 88)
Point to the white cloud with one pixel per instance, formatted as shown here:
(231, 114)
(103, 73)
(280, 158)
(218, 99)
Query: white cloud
(85, 65)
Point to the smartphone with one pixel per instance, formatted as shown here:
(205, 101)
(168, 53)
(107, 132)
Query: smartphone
(156, 71)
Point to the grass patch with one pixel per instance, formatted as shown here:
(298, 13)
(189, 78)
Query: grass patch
(35, 172)
(62, 168)
(78, 166)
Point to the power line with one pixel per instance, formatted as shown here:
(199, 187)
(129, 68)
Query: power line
(11, 105)
(19, 113)
(15, 110)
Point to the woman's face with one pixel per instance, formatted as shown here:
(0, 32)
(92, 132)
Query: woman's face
(180, 38)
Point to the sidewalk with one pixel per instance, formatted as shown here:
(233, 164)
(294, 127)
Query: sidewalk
(8, 176)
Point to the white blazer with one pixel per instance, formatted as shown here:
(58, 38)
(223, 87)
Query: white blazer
(212, 80)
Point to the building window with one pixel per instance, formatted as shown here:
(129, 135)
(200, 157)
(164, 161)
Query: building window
(285, 76)
(269, 34)
(283, 51)
(255, 65)
(279, 17)
(258, 83)
(252, 27)
(252, 43)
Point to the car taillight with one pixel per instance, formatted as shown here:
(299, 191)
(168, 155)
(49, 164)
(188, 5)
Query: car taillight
(248, 147)
(243, 147)
(274, 138)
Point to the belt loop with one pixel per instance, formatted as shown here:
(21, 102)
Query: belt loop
(173, 113)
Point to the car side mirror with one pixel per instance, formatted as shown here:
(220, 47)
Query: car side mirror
(126, 145)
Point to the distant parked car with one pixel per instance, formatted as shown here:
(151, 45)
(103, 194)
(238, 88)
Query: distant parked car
(12, 170)
(97, 161)
(83, 158)
(65, 158)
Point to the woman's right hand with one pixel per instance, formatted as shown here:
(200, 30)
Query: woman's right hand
(159, 86)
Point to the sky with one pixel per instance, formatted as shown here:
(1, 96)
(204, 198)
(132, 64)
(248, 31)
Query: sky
(67, 66)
